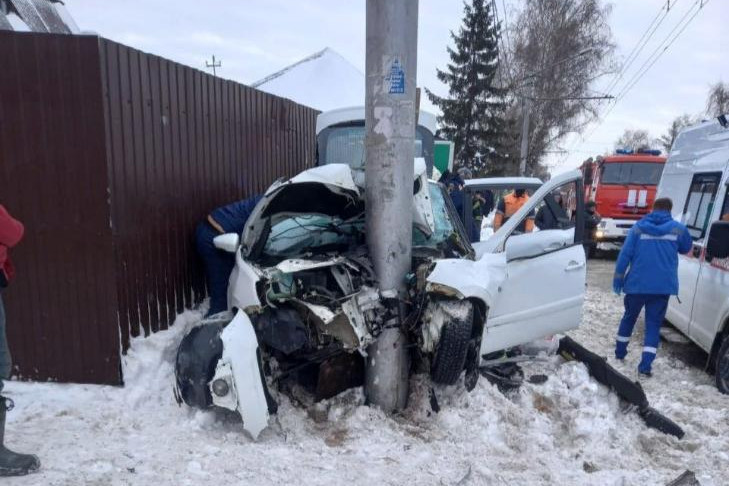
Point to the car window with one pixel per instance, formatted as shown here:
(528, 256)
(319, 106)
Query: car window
(724, 215)
(700, 203)
(553, 229)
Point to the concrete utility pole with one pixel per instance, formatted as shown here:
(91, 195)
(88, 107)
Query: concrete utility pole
(524, 152)
(391, 62)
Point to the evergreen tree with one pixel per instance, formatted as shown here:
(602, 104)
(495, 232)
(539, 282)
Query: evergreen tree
(473, 111)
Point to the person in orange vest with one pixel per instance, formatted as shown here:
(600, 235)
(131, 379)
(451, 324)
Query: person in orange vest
(509, 205)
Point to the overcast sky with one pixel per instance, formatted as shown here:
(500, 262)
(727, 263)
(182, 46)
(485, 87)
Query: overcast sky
(255, 38)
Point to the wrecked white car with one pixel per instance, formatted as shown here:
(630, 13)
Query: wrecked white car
(305, 303)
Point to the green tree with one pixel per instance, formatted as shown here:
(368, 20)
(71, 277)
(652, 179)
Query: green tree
(473, 112)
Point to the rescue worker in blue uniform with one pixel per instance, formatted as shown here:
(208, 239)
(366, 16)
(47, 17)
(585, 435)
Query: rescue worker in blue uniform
(647, 271)
(218, 263)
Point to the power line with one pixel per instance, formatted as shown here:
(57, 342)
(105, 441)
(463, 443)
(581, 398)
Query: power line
(506, 23)
(658, 52)
(648, 63)
(642, 42)
(500, 44)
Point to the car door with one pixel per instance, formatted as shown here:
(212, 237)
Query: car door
(696, 216)
(712, 290)
(546, 269)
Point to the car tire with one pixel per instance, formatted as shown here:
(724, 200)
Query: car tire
(452, 349)
(197, 357)
(721, 371)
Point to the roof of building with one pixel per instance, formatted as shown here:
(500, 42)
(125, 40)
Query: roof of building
(324, 81)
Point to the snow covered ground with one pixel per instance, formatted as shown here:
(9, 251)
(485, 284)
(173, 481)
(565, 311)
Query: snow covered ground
(567, 431)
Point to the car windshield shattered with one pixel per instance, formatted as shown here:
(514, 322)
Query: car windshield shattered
(300, 234)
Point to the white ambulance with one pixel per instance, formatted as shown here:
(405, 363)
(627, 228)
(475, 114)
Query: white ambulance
(695, 178)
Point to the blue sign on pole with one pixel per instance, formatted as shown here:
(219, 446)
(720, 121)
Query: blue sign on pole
(396, 78)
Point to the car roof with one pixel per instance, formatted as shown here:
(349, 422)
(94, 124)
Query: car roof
(526, 182)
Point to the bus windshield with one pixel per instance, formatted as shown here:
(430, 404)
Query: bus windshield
(346, 145)
(640, 173)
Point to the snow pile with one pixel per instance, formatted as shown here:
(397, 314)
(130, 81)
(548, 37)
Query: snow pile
(568, 431)
(324, 80)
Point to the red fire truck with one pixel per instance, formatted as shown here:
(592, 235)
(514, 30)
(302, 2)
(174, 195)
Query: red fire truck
(623, 186)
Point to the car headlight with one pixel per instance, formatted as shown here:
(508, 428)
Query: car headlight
(599, 234)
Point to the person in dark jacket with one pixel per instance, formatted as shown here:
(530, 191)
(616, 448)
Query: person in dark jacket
(545, 219)
(647, 271)
(592, 220)
(478, 208)
(11, 463)
(454, 185)
(218, 263)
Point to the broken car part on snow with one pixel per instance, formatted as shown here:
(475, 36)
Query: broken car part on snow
(628, 390)
(305, 303)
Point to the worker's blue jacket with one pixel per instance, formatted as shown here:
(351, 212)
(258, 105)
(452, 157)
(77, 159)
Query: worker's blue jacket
(650, 255)
(232, 218)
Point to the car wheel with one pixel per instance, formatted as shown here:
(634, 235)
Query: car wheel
(197, 357)
(722, 367)
(452, 348)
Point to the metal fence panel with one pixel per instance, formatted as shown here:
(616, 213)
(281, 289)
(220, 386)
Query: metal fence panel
(111, 157)
(61, 309)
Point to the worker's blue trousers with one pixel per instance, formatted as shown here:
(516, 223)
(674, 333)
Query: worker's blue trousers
(655, 310)
(218, 265)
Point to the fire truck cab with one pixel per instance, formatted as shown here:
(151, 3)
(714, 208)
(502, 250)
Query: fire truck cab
(623, 187)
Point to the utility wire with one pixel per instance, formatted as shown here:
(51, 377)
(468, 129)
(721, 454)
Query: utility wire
(654, 56)
(649, 62)
(502, 51)
(658, 52)
(640, 45)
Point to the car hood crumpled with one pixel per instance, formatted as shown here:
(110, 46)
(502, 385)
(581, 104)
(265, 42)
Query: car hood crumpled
(462, 278)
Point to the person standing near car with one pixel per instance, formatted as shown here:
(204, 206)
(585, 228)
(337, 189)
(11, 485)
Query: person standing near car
(647, 271)
(478, 208)
(454, 186)
(592, 219)
(11, 463)
(218, 263)
(509, 205)
(546, 219)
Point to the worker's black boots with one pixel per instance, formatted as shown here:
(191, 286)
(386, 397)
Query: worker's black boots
(12, 463)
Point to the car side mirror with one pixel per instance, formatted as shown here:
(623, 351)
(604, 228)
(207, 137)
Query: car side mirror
(228, 242)
(718, 243)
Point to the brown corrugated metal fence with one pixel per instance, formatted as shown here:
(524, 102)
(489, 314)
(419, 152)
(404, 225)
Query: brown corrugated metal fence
(111, 156)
